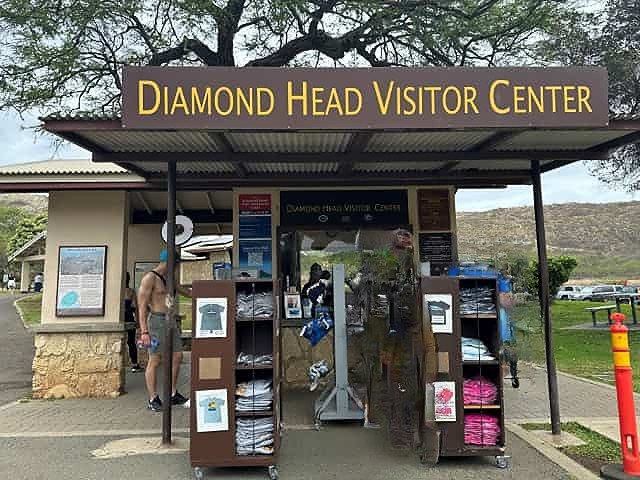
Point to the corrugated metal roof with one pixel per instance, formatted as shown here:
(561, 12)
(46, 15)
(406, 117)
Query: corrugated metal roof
(42, 236)
(431, 141)
(134, 141)
(289, 142)
(283, 168)
(558, 140)
(397, 167)
(62, 167)
(91, 116)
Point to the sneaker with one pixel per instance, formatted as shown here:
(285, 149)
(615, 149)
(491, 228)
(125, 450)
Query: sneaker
(178, 399)
(136, 368)
(155, 405)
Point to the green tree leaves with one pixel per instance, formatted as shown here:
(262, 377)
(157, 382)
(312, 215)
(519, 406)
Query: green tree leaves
(560, 269)
(27, 228)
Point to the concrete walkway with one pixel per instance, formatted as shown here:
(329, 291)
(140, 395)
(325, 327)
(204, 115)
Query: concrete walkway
(16, 353)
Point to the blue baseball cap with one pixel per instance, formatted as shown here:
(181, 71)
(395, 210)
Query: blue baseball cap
(164, 256)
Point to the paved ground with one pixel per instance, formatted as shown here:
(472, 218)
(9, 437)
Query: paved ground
(16, 353)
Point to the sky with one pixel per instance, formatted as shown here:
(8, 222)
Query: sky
(572, 183)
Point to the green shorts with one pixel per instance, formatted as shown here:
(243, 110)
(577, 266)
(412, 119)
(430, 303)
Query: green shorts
(155, 324)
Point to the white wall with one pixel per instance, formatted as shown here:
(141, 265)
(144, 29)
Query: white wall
(87, 218)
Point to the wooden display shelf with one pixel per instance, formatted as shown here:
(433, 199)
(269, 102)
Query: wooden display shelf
(482, 407)
(265, 413)
(481, 316)
(254, 367)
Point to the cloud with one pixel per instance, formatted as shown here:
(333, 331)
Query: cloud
(572, 183)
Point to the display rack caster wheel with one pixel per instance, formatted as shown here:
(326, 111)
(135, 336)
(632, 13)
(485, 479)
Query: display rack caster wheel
(515, 383)
(198, 472)
(317, 426)
(502, 461)
(273, 472)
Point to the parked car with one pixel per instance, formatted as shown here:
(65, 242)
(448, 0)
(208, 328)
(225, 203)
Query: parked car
(585, 293)
(604, 293)
(567, 292)
(630, 290)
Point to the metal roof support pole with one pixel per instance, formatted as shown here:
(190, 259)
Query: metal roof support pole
(170, 322)
(543, 290)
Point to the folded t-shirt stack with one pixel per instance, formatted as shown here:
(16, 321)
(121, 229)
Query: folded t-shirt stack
(254, 396)
(475, 350)
(249, 359)
(477, 300)
(482, 430)
(251, 305)
(479, 391)
(254, 436)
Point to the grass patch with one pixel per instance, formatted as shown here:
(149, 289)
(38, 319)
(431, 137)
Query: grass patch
(583, 353)
(597, 447)
(31, 307)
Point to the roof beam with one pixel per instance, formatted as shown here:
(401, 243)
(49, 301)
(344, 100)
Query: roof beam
(210, 202)
(223, 142)
(554, 164)
(143, 201)
(447, 167)
(357, 144)
(79, 140)
(197, 216)
(494, 140)
(369, 157)
(617, 142)
(134, 169)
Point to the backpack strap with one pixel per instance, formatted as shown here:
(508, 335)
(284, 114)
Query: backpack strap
(164, 282)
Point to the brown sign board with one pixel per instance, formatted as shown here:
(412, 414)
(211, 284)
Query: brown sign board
(222, 98)
(434, 210)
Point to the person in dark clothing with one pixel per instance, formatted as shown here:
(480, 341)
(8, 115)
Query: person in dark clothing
(130, 320)
(314, 276)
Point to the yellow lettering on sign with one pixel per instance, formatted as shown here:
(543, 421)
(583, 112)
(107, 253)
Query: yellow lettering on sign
(584, 93)
(179, 102)
(492, 97)
(156, 93)
(383, 105)
(316, 100)
(334, 103)
(554, 102)
(218, 104)
(537, 99)
(432, 91)
(243, 101)
(518, 99)
(297, 98)
(568, 99)
(457, 100)
(165, 91)
(470, 94)
(198, 104)
(406, 93)
(265, 107)
(351, 109)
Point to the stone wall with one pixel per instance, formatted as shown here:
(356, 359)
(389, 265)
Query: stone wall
(70, 365)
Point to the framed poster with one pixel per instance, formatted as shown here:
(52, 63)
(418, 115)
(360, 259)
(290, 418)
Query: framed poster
(434, 210)
(212, 410)
(211, 317)
(445, 401)
(81, 281)
(139, 271)
(256, 254)
(440, 310)
(292, 305)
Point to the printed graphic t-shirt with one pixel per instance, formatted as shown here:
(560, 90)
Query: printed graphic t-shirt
(211, 316)
(211, 408)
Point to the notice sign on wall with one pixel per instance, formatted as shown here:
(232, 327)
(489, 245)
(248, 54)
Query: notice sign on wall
(344, 207)
(254, 243)
(434, 210)
(218, 98)
(81, 281)
(436, 247)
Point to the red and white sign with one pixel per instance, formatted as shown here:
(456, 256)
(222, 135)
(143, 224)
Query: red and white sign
(255, 204)
(445, 401)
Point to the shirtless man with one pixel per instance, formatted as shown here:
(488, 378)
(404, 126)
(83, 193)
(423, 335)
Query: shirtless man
(152, 308)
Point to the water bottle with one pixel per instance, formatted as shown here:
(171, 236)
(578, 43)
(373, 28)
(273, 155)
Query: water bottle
(155, 343)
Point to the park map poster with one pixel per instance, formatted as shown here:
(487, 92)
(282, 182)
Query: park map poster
(81, 281)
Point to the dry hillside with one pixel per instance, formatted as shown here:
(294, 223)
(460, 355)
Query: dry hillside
(32, 203)
(605, 237)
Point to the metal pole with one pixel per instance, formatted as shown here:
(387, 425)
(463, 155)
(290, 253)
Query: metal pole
(543, 277)
(167, 351)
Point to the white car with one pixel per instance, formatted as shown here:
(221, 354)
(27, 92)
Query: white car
(568, 292)
(585, 293)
